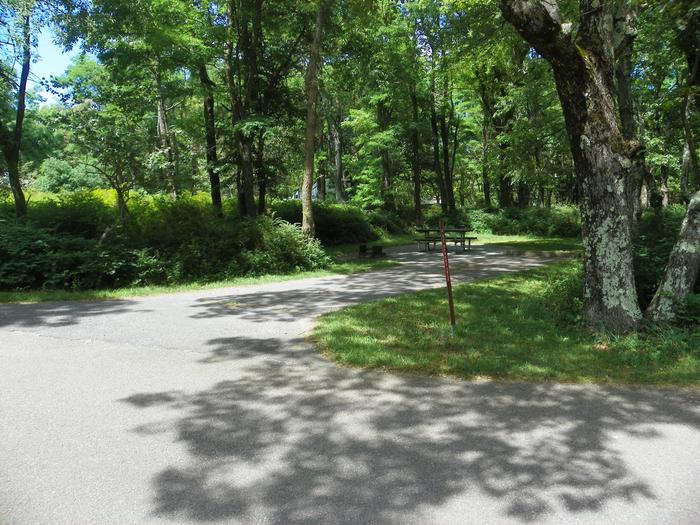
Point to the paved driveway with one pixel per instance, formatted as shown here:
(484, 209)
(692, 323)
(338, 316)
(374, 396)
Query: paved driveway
(210, 407)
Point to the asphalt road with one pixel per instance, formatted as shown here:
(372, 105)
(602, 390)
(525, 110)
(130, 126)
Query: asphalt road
(210, 407)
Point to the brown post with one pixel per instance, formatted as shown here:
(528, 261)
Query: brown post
(448, 278)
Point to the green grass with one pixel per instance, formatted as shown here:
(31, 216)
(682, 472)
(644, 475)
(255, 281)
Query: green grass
(507, 328)
(535, 244)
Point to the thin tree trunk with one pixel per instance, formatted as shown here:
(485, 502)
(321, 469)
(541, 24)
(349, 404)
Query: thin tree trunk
(338, 161)
(230, 54)
(682, 268)
(415, 157)
(308, 225)
(485, 180)
(166, 140)
(11, 141)
(210, 138)
(447, 172)
(690, 174)
(583, 70)
(436, 159)
(624, 30)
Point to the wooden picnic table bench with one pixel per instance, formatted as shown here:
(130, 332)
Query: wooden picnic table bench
(371, 251)
(458, 236)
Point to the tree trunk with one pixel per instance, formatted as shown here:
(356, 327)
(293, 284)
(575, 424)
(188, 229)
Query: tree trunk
(583, 71)
(447, 172)
(11, 141)
(436, 159)
(311, 87)
(625, 32)
(505, 192)
(242, 91)
(415, 158)
(210, 138)
(338, 160)
(690, 174)
(166, 140)
(682, 268)
(485, 180)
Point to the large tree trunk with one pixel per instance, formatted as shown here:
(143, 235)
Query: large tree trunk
(11, 141)
(311, 86)
(682, 268)
(210, 138)
(583, 70)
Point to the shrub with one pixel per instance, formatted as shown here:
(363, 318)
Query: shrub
(563, 295)
(165, 243)
(83, 214)
(558, 221)
(335, 223)
(283, 248)
(653, 240)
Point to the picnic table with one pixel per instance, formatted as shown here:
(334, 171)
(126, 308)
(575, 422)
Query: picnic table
(432, 236)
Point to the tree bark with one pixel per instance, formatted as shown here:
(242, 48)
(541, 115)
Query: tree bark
(210, 138)
(311, 87)
(682, 268)
(583, 71)
(625, 31)
(11, 141)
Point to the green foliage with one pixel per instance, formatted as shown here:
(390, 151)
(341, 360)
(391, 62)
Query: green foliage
(564, 294)
(653, 240)
(557, 221)
(335, 223)
(67, 244)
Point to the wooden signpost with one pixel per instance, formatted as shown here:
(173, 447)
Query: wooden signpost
(448, 278)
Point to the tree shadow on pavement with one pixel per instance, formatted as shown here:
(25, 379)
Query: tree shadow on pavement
(293, 443)
(60, 314)
(329, 294)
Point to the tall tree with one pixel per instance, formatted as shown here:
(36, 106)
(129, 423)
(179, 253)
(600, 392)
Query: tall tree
(11, 139)
(311, 87)
(583, 67)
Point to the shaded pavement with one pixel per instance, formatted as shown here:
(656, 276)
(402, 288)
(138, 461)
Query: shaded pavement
(210, 407)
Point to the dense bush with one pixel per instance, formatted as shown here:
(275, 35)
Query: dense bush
(654, 238)
(557, 221)
(165, 242)
(335, 223)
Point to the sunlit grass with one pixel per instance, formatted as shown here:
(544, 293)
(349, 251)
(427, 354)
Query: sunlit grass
(506, 330)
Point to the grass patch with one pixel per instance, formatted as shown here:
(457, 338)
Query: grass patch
(507, 329)
(535, 244)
